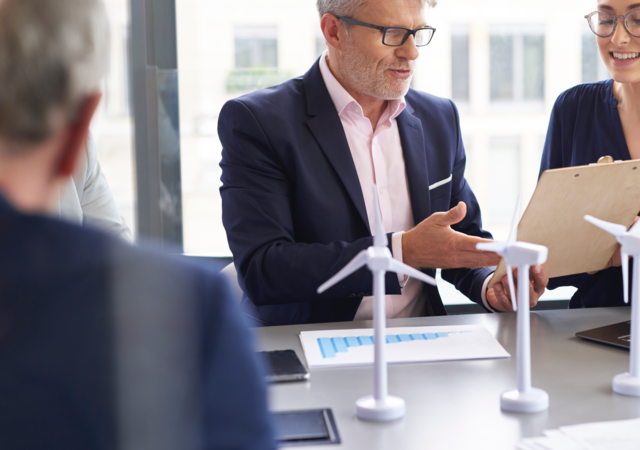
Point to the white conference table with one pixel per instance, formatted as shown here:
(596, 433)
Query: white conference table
(456, 405)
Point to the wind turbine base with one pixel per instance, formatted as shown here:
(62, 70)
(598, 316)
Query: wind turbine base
(388, 409)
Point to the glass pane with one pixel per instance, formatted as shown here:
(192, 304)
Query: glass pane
(394, 36)
(225, 50)
(460, 67)
(321, 44)
(256, 47)
(533, 67)
(590, 58)
(504, 182)
(112, 126)
(229, 48)
(633, 23)
(501, 67)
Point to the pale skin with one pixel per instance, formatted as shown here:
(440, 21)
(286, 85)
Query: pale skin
(432, 243)
(30, 179)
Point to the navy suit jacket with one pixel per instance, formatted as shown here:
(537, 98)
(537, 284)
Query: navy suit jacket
(293, 208)
(86, 321)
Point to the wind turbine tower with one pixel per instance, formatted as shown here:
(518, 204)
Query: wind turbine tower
(380, 406)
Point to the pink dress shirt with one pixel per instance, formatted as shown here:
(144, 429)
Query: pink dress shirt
(379, 160)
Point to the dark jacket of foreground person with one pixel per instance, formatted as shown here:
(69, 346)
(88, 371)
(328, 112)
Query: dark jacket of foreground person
(105, 346)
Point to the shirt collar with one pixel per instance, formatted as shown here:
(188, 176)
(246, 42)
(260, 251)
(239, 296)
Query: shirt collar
(341, 98)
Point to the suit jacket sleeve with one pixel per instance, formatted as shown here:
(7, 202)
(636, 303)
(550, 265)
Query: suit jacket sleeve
(467, 281)
(273, 267)
(235, 394)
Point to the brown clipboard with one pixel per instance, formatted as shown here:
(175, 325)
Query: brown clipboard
(555, 215)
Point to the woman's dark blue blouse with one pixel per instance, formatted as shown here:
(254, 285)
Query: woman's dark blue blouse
(584, 126)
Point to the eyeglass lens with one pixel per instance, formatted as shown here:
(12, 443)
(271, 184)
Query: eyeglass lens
(603, 23)
(395, 36)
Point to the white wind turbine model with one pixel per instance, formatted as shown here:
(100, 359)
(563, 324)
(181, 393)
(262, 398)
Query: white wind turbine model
(627, 383)
(380, 406)
(524, 399)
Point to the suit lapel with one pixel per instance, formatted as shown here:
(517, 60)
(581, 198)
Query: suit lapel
(327, 128)
(415, 162)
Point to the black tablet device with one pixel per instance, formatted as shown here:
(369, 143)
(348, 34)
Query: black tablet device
(308, 427)
(618, 334)
(284, 365)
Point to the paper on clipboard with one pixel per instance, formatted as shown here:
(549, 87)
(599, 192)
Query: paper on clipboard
(555, 215)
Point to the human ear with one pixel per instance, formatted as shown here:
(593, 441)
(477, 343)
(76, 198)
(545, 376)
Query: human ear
(76, 135)
(331, 30)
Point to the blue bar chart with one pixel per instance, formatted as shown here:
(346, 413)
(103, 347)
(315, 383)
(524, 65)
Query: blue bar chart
(331, 346)
(348, 347)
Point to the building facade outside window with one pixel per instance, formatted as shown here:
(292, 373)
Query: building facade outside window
(504, 184)
(593, 68)
(112, 127)
(256, 47)
(517, 66)
(460, 64)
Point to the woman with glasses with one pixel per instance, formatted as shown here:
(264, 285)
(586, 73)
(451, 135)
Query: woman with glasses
(599, 119)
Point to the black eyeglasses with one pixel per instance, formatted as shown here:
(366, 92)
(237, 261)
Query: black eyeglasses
(604, 24)
(397, 36)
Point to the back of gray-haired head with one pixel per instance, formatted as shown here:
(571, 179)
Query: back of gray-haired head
(348, 8)
(53, 54)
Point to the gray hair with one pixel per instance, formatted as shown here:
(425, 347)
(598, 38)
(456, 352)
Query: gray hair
(53, 54)
(348, 8)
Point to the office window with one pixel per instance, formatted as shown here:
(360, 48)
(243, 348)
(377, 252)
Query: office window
(593, 69)
(252, 45)
(516, 67)
(226, 49)
(256, 59)
(256, 47)
(111, 128)
(321, 44)
(504, 182)
(533, 49)
(460, 65)
(501, 66)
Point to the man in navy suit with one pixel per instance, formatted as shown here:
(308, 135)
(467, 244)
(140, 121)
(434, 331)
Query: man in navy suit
(300, 161)
(102, 345)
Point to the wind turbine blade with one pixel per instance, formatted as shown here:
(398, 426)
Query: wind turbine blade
(379, 236)
(496, 247)
(611, 228)
(512, 287)
(635, 229)
(398, 267)
(625, 275)
(356, 263)
(513, 235)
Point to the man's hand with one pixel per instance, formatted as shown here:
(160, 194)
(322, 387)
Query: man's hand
(433, 244)
(499, 296)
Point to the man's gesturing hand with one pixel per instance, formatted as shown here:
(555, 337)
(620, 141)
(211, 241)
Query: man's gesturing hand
(433, 244)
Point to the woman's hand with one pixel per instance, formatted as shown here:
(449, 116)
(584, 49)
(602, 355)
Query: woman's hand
(499, 296)
(616, 259)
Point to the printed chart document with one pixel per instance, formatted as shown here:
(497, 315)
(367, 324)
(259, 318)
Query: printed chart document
(615, 435)
(330, 348)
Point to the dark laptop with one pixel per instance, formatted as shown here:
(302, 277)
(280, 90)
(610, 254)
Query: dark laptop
(618, 334)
